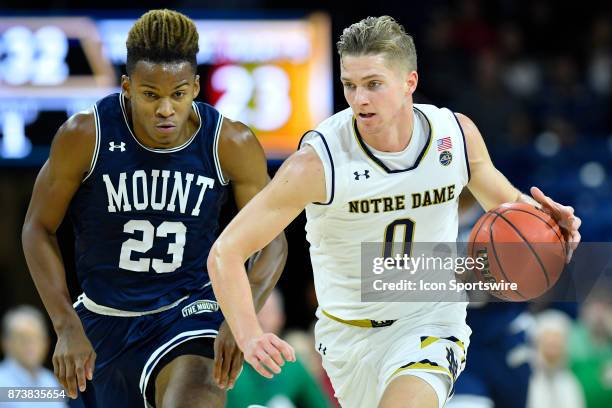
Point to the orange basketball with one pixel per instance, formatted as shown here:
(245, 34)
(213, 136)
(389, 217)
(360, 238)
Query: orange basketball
(519, 244)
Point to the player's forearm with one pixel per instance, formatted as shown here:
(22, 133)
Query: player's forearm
(491, 188)
(233, 292)
(47, 270)
(267, 269)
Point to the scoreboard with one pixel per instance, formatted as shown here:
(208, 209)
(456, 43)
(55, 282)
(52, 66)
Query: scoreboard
(274, 75)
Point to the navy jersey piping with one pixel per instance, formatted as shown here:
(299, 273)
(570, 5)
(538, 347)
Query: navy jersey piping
(170, 150)
(331, 160)
(467, 163)
(379, 162)
(94, 157)
(217, 161)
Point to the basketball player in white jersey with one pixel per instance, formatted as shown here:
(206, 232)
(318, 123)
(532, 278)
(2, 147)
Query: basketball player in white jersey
(356, 175)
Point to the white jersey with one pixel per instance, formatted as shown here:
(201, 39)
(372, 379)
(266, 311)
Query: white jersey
(368, 191)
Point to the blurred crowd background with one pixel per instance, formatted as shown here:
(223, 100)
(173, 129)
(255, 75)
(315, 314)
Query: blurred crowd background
(536, 77)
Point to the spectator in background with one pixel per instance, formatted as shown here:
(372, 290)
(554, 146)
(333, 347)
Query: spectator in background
(471, 31)
(293, 387)
(489, 91)
(552, 384)
(543, 27)
(567, 106)
(25, 343)
(446, 67)
(591, 349)
(520, 73)
(599, 72)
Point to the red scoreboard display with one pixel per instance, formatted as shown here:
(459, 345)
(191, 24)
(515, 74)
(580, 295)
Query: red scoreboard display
(273, 75)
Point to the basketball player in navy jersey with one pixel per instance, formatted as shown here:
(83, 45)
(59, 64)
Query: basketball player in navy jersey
(143, 176)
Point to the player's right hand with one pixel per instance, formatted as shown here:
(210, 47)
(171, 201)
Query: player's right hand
(564, 216)
(73, 359)
(267, 354)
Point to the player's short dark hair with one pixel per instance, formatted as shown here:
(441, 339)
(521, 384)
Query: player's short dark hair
(162, 36)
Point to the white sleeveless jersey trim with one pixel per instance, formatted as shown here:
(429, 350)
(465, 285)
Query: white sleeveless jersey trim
(467, 161)
(94, 157)
(155, 150)
(329, 146)
(316, 140)
(222, 179)
(366, 150)
(164, 349)
(408, 156)
(109, 311)
(424, 194)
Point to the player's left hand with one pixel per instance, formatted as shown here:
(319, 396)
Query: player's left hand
(228, 358)
(564, 215)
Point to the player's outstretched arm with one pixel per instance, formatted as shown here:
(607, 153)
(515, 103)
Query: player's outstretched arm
(491, 188)
(56, 184)
(298, 182)
(243, 162)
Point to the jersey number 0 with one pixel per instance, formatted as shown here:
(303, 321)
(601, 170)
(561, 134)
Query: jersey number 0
(407, 239)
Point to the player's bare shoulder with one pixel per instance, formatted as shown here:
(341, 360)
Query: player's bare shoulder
(240, 153)
(236, 135)
(306, 162)
(80, 129)
(74, 143)
(476, 148)
(468, 126)
(303, 173)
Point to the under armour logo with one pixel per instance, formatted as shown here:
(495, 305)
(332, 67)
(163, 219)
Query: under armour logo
(114, 146)
(452, 361)
(382, 323)
(366, 173)
(322, 349)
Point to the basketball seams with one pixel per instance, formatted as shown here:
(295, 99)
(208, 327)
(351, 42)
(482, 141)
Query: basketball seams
(492, 242)
(520, 229)
(533, 251)
(552, 227)
(482, 222)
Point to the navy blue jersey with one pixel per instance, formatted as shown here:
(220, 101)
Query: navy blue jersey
(144, 218)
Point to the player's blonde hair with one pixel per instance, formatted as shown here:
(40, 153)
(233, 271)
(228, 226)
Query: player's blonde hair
(379, 35)
(162, 36)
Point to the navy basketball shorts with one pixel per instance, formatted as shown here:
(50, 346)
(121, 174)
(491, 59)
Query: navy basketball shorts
(131, 350)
